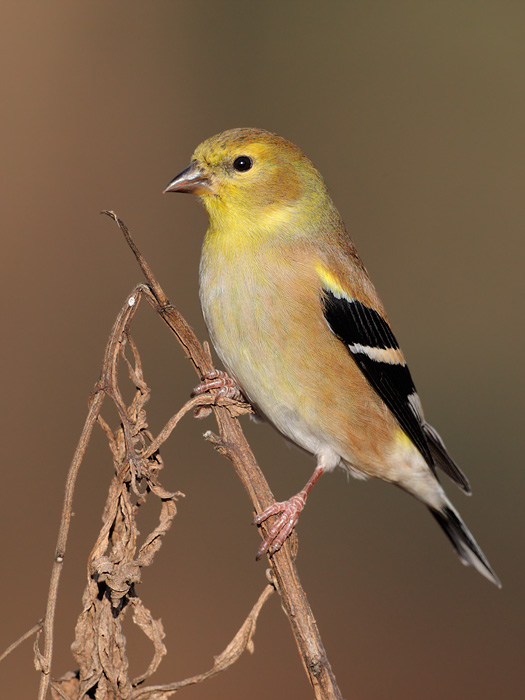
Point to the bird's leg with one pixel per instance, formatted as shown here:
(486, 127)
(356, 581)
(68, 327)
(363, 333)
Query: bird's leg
(290, 511)
(217, 379)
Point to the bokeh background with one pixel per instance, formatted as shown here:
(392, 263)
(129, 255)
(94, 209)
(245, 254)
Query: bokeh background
(414, 113)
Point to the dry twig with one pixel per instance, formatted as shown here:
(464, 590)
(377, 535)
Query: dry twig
(116, 561)
(34, 629)
(233, 445)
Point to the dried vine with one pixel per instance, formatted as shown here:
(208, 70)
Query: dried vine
(116, 561)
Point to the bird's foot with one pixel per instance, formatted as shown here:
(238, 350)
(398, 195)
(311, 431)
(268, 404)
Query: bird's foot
(227, 388)
(290, 511)
(226, 385)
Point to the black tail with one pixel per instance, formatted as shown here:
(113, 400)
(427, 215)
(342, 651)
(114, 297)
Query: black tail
(465, 545)
(443, 460)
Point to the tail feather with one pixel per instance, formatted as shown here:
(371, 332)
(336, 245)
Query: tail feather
(465, 545)
(443, 460)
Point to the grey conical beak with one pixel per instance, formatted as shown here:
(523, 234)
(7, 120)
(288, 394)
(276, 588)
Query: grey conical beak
(193, 180)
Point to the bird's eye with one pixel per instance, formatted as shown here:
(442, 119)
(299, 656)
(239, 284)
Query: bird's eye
(242, 163)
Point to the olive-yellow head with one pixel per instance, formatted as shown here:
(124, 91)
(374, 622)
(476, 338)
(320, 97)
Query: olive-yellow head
(259, 181)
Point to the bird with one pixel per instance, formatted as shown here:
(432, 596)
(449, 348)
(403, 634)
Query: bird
(302, 333)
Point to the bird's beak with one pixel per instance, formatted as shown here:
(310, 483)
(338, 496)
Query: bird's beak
(193, 180)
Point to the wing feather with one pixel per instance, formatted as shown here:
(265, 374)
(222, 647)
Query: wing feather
(373, 346)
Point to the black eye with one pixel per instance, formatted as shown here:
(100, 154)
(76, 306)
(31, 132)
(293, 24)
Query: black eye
(242, 163)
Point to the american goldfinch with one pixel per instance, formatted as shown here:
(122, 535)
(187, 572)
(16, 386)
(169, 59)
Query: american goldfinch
(295, 319)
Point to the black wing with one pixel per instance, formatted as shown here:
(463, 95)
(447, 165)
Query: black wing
(374, 348)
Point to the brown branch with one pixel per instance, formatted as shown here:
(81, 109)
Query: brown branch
(115, 563)
(199, 357)
(232, 443)
(36, 628)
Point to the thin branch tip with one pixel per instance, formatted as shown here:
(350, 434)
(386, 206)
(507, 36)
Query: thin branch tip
(110, 213)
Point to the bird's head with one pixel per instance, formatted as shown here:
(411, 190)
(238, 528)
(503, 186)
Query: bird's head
(251, 177)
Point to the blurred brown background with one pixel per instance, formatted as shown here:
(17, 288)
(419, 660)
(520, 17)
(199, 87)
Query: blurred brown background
(414, 112)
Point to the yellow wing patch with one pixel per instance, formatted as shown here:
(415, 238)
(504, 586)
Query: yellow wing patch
(403, 440)
(331, 282)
